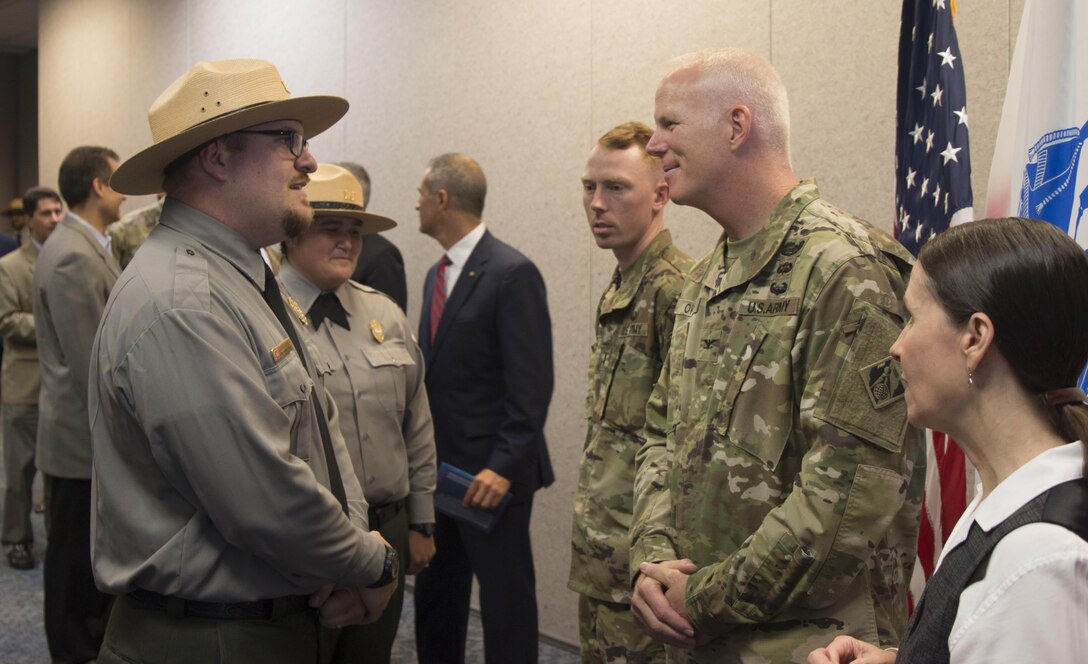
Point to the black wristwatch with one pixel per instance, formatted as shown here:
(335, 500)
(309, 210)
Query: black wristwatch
(425, 529)
(390, 568)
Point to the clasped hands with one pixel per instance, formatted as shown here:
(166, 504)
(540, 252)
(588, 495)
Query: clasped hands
(339, 606)
(660, 608)
(659, 605)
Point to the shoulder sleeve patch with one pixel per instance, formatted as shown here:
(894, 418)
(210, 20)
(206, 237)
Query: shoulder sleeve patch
(867, 397)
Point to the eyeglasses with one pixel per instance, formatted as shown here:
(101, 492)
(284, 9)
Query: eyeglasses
(294, 140)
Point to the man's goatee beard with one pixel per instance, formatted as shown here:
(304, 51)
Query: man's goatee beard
(294, 223)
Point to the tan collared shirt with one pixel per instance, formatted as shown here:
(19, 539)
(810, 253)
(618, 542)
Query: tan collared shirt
(377, 383)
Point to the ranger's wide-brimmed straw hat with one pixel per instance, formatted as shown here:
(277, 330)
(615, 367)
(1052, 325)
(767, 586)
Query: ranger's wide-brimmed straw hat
(14, 207)
(213, 99)
(334, 191)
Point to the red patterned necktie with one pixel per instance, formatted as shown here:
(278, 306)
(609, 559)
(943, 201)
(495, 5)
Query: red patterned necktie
(438, 296)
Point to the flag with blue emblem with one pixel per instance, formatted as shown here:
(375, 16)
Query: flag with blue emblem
(932, 164)
(1039, 168)
(932, 192)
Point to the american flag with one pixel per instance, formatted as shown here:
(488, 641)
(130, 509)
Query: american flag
(932, 167)
(933, 191)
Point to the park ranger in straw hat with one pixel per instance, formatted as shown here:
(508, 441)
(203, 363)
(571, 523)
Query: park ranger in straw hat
(227, 517)
(376, 381)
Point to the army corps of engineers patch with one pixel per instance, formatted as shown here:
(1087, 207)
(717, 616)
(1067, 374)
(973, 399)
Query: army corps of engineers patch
(883, 382)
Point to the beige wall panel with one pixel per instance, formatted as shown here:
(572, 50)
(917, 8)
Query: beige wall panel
(157, 55)
(83, 79)
(61, 93)
(838, 62)
(27, 138)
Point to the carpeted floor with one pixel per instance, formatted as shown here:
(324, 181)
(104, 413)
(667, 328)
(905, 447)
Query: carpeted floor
(22, 637)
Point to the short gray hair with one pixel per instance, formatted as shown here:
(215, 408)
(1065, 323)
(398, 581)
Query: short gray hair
(463, 180)
(743, 77)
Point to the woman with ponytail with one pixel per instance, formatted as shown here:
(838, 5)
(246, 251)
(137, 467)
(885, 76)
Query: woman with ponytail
(997, 340)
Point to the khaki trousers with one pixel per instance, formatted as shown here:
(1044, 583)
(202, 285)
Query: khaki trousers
(20, 423)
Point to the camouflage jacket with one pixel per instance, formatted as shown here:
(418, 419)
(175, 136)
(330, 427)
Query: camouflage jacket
(778, 455)
(131, 231)
(634, 324)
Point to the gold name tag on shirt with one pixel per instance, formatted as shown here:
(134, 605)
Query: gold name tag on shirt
(376, 330)
(282, 350)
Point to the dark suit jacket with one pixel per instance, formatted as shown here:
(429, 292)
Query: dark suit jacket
(8, 244)
(489, 370)
(72, 280)
(381, 267)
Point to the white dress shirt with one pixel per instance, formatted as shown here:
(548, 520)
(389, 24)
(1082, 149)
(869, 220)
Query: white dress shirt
(102, 238)
(458, 255)
(1032, 605)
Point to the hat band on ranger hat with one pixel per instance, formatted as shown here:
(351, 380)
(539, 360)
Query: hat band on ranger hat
(329, 205)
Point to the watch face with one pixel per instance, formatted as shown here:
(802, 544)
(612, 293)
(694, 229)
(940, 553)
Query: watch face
(426, 529)
(390, 568)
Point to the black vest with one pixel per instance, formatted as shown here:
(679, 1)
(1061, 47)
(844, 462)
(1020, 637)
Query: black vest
(927, 633)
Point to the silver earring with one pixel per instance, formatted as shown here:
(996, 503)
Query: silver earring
(970, 378)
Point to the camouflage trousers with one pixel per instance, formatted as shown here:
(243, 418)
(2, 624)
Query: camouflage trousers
(609, 634)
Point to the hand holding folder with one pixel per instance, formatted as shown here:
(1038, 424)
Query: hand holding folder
(457, 491)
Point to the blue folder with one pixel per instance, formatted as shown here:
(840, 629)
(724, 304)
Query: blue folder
(452, 484)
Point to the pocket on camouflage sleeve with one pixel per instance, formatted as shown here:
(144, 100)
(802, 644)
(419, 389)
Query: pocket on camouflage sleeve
(876, 497)
(867, 397)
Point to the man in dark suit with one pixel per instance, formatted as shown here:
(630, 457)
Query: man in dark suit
(380, 265)
(72, 280)
(485, 333)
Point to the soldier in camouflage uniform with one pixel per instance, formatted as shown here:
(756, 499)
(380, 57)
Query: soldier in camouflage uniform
(625, 194)
(778, 491)
(127, 234)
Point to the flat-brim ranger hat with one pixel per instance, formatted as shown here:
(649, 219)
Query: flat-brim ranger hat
(14, 207)
(334, 191)
(213, 99)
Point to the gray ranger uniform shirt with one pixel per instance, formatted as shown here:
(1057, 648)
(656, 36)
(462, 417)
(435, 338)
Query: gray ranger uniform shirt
(209, 481)
(377, 383)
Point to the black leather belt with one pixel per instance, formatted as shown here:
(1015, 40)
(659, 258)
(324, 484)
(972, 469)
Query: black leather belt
(264, 609)
(378, 515)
